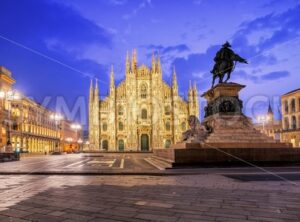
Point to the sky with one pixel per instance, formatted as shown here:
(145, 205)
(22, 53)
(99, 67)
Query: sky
(54, 47)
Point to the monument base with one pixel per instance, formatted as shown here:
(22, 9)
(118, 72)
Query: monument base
(211, 156)
(231, 135)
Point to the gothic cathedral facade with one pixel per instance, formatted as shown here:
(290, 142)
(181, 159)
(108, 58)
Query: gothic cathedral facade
(142, 113)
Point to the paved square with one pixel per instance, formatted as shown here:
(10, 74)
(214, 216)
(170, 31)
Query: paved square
(208, 194)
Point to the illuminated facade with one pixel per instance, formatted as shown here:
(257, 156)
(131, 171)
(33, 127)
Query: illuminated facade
(6, 83)
(141, 113)
(291, 117)
(32, 129)
(29, 124)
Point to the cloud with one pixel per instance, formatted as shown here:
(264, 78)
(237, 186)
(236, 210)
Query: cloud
(53, 29)
(116, 2)
(285, 25)
(275, 75)
(167, 49)
(142, 5)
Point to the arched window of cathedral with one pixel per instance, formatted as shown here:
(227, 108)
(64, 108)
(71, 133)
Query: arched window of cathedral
(143, 91)
(104, 126)
(144, 114)
(168, 126)
(120, 110)
(167, 143)
(183, 126)
(167, 110)
(121, 126)
(105, 145)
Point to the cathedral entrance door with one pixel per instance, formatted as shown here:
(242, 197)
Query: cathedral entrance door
(121, 145)
(144, 142)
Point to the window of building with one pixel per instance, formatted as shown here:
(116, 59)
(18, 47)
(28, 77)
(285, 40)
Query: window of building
(294, 122)
(168, 126)
(143, 91)
(167, 110)
(286, 123)
(120, 110)
(104, 126)
(121, 126)
(144, 114)
(286, 106)
(293, 105)
(183, 126)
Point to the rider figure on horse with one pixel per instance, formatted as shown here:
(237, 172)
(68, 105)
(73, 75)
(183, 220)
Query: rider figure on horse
(224, 63)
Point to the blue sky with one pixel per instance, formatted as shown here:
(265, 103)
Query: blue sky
(83, 38)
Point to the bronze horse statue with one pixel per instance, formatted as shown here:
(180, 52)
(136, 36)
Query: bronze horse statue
(225, 60)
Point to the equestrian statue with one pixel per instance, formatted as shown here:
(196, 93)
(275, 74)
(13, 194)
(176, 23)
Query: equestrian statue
(225, 61)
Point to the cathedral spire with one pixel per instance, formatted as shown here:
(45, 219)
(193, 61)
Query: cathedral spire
(112, 80)
(174, 82)
(91, 105)
(196, 99)
(158, 64)
(96, 92)
(91, 95)
(270, 113)
(153, 64)
(96, 120)
(134, 60)
(127, 63)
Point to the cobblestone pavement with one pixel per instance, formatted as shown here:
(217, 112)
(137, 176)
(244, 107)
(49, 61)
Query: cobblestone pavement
(97, 162)
(206, 197)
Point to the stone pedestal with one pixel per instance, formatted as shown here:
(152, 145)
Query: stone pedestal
(223, 99)
(230, 127)
(227, 126)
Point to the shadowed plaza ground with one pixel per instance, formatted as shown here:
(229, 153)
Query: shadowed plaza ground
(146, 198)
(203, 194)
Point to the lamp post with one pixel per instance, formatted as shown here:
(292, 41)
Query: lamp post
(263, 119)
(9, 96)
(76, 127)
(87, 144)
(80, 144)
(57, 118)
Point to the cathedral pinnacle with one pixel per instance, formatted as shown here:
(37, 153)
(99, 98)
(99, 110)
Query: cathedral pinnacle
(91, 90)
(96, 92)
(134, 60)
(127, 63)
(195, 86)
(158, 64)
(174, 81)
(153, 65)
(112, 78)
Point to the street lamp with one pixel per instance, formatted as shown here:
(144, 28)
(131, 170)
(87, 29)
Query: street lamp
(57, 118)
(76, 127)
(9, 96)
(80, 142)
(263, 119)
